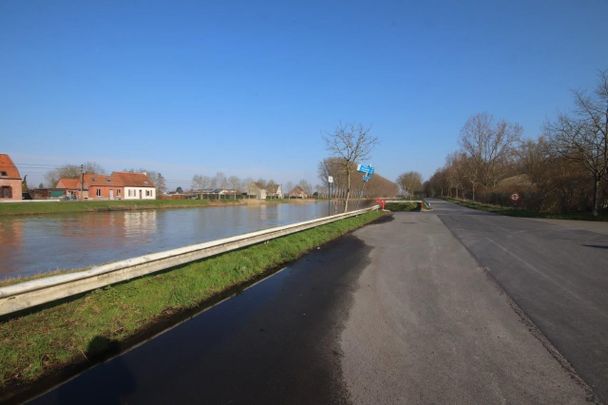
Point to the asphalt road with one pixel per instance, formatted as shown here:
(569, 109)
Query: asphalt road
(556, 271)
(397, 312)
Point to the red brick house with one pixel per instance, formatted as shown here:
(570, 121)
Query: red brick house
(102, 187)
(117, 186)
(71, 187)
(10, 179)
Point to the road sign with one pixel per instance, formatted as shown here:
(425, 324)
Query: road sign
(514, 197)
(367, 169)
(330, 179)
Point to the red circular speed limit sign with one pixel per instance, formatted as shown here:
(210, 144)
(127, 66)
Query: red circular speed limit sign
(514, 197)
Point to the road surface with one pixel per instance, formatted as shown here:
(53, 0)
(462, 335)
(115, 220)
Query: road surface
(397, 312)
(557, 271)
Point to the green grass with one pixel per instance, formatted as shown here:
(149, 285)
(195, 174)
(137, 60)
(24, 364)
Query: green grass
(519, 212)
(73, 333)
(402, 206)
(59, 207)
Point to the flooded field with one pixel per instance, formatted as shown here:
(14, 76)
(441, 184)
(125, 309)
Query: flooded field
(38, 244)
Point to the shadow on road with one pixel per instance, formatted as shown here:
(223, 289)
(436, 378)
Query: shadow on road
(596, 246)
(115, 390)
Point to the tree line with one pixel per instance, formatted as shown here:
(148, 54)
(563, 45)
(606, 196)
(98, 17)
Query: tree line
(565, 169)
(220, 180)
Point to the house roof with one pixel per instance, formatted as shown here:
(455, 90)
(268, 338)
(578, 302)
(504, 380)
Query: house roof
(297, 190)
(116, 179)
(68, 183)
(128, 179)
(256, 185)
(273, 188)
(7, 165)
(94, 179)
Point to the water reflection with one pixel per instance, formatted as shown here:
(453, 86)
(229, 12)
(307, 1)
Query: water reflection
(11, 234)
(30, 245)
(139, 223)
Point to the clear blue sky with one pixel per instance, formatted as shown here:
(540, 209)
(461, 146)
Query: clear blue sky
(248, 87)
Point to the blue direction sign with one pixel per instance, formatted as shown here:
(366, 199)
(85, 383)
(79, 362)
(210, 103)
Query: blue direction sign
(367, 169)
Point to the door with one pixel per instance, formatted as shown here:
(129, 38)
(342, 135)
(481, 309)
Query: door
(140, 194)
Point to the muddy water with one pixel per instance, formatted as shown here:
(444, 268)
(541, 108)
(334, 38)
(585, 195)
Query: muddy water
(31, 245)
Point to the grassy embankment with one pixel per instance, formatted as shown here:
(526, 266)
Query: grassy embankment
(44, 346)
(64, 207)
(519, 212)
(402, 206)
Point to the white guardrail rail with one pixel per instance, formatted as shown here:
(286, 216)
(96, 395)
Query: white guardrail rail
(32, 293)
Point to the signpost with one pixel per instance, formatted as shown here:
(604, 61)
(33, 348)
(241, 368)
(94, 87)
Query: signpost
(368, 171)
(330, 181)
(515, 198)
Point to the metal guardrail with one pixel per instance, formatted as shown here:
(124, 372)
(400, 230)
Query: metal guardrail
(32, 293)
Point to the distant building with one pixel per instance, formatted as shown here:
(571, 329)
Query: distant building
(10, 179)
(274, 191)
(71, 187)
(46, 193)
(117, 186)
(102, 187)
(137, 186)
(255, 190)
(297, 192)
(216, 193)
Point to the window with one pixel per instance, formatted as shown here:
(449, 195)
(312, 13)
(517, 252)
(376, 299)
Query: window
(6, 192)
(3, 174)
(147, 193)
(98, 192)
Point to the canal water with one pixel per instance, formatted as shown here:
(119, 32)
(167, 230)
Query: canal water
(37, 244)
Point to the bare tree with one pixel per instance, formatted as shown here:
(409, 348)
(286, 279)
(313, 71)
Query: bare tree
(200, 182)
(487, 145)
(219, 180)
(583, 137)
(159, 182)
(235, 184)
(71, 171)
(410, 183)
(288, 187)
(352, 143)
(305, 186)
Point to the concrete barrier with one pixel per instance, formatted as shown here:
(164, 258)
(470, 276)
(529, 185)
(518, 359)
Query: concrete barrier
(29, 294)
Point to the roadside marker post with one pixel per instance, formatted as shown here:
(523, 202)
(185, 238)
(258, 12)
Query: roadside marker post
(330, 181)
(515, 198)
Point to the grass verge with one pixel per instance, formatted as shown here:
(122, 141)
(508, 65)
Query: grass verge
(402, 206)
(519, 212)
(64, 207)
(43, 347)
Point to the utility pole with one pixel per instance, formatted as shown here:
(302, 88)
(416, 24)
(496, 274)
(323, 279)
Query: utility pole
(82, 181)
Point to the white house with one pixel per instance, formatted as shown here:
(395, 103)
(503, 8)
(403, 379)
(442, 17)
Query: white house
(136, 186)
(255, 191)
